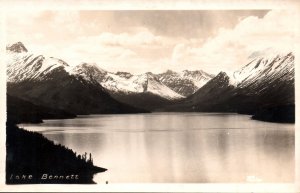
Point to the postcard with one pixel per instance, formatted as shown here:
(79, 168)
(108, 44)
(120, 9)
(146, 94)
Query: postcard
(150, 96)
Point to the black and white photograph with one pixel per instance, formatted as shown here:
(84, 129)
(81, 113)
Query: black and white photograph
(150, 96)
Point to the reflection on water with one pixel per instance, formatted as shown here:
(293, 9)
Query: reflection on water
(179, 147)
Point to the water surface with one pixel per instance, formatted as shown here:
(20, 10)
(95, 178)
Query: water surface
(179, 147)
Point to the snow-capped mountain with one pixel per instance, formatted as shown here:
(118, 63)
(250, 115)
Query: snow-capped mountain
(89, 71)
(25, 66)
(267, 81)
(265, 70)
(48, 82)
(185, 82)
(211, 97)
(125, 83)
(16, 48)
(169, 85)
(143, 83)
(213, 89)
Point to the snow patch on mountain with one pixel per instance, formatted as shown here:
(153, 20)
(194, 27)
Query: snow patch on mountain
(160, 89)
(124, 83)
(23, 66)
(198, 77)
(88, 71)
(138, 84)
(185, 82)
(265, 65)
(134, 84)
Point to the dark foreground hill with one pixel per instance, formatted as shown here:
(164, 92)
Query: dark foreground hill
(32, 159)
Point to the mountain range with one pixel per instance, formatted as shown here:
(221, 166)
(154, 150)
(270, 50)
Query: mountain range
(46, 81)
(84, 83)
(266, 82)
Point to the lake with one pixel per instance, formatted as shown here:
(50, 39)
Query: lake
(179, 147)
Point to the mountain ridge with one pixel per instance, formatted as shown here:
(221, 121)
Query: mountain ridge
(113, 82)
(265, 82)
(46, 81)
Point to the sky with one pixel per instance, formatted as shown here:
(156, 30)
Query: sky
(142, 41)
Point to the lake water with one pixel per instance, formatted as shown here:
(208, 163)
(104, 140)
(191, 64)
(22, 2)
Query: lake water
(179, 147)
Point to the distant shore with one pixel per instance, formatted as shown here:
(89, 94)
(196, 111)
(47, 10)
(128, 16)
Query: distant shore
(278, 114)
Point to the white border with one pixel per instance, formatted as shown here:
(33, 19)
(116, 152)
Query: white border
(8, 5)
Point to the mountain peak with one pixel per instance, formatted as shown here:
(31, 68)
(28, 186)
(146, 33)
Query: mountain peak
(197, 73)
(149, 73)
(85, 64)
(89, 71)
(16, 47)
(124, 74)
(191, 71)
(170, 72)
(223, 77)
(222, 74)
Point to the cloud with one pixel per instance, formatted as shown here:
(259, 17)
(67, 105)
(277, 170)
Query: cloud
(18, 25)
(135, 40)
(135, 52)
(142, 38)
(17, 17)
(179, 52)
(230, 48)
(67, 20)
(184, 23)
